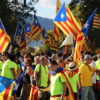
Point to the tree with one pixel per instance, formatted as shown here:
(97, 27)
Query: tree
(83, 9)
(11, 10)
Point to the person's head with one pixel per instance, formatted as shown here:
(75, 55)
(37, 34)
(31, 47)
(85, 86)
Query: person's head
(37, 59)
(88, 58)
(27, 56)
(54, 57)
(59, 56)
(43, 60)
(4, 56)
(61, 63)
(53, 65)
(71, 66)
(28, 62)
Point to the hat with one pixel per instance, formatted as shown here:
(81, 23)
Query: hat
(72, 66)
(87, 57)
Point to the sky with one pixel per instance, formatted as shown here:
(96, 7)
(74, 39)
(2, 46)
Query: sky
(47, 8)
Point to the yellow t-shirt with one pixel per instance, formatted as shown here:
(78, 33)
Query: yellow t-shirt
(85, 73)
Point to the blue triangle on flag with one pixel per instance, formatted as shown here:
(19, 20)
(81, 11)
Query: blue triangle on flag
(61, 15)
(4, 83)
(1, 26)
(88, 23)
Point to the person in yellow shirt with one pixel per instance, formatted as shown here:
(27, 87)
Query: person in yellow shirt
(85, 74)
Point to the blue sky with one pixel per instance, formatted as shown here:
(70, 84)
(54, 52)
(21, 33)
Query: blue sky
(47, 8)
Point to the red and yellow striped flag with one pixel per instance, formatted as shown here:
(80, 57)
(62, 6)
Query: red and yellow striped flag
(56, 28)
(78, 47)
(66, 21)
(96, 21)
(33, 93)
(4, 38)
(34, 31)
(54, 47)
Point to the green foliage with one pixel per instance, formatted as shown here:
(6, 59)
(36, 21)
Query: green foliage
(10, 11)
(83, 9)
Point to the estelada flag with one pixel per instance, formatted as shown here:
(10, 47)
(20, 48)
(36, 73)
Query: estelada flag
(66, 21)
(4, 38)
(6, 87)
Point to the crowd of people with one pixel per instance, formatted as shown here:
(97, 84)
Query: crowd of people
(59, 74)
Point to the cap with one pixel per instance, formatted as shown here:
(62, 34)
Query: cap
(87, 57)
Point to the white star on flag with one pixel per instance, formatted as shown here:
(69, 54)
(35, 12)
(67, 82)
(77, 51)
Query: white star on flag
(62, 16)
(28, 28)
(86, 25)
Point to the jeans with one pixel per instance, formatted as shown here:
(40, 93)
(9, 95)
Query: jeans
(87, 93)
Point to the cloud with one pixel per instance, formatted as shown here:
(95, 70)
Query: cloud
(47, 3)
(47, 8)
(51, 3)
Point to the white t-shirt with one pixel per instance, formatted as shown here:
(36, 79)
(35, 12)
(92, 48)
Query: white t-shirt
(93, 64)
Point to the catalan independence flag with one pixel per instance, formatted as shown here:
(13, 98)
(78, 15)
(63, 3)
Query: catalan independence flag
(6, 87)
(4, 38)
(33, 29)
(57, 30)
(67, 22)
(81, 36)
